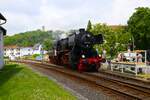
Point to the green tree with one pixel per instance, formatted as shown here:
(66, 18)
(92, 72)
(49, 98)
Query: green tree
(115, 40)
(89, 26)
(47, 44)
(27, 38)
(108, 34)
(139, 26)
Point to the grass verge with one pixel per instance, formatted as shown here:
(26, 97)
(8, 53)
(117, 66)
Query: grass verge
(144, 76)
(18, 82)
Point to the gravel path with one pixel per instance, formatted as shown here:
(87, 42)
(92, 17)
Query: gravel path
(78, 88)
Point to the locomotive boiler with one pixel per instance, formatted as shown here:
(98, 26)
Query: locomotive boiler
(77, 51)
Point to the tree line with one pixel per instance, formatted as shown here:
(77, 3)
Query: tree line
(29, 38)
(134, 35)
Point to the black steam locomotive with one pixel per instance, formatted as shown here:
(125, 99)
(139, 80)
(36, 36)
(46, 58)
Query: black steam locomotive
(77, 52)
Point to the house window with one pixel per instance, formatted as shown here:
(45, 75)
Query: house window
(18, 49)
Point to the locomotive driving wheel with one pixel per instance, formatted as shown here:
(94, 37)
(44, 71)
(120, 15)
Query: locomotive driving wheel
(65, 59)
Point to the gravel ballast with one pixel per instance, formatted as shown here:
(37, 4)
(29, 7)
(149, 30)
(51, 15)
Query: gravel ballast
(78, 88)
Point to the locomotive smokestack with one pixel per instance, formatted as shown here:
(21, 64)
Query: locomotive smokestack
(81, 30)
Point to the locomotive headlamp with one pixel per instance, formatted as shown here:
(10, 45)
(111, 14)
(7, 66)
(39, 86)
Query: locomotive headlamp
(83, 56)
(88, 35)
(99, 55)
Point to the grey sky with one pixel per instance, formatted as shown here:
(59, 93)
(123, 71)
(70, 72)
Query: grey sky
(25, 15)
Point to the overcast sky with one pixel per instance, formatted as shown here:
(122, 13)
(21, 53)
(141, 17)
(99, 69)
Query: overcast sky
(26, 15)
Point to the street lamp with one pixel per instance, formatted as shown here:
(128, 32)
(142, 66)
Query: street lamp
(2, 33)
(2, 19)
(133, 42)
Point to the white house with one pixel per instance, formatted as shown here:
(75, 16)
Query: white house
(15, 51)
(38, 49)
(2, 33)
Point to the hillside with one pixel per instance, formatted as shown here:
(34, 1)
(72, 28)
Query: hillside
(28, 38)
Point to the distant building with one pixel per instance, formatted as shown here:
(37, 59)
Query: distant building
(2, 33)
(38, 49)
(43, 28)
(15, 51)
(117, 27)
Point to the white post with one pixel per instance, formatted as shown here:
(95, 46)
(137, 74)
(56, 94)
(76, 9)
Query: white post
(121, 68)
(145, 57)
(136, 70)
(111, 67)
(136, 61)
(146, 61)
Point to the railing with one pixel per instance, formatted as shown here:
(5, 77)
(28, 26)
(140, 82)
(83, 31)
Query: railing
(130, 67)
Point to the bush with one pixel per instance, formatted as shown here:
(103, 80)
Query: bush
(35, 55)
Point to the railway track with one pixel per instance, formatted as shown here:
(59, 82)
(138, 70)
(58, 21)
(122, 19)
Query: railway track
(134, 83)
(137, 91)
(113, 84)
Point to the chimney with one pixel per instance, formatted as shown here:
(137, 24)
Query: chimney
(81, 30)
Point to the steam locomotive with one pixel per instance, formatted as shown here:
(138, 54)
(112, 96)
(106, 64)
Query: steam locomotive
(77, 51)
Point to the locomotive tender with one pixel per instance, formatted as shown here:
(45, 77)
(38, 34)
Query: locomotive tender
(77, 52)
